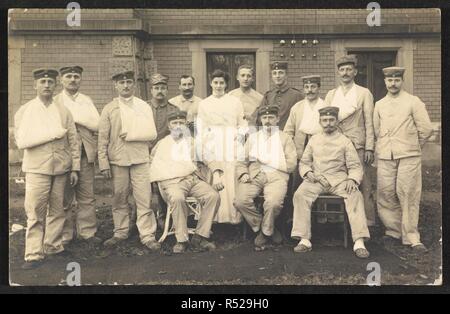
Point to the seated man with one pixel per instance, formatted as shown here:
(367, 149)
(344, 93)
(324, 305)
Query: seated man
(269, 158)
(173, 167)
(330, 164)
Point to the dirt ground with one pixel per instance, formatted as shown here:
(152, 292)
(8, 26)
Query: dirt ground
(235, 261)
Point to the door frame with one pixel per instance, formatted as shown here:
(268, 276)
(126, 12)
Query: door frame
(262, 49)
(405, 53)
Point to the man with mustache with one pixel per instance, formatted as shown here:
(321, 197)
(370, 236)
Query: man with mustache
(125, 131)
(45, 130)
(160, 106)
(86, 117)
(269, 158)
(173, 167)
(355, 105)
(281, 95)
(330, 164)
(402, 126)
(250, 98)
(187, 101)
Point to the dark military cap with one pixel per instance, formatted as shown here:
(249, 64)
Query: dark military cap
(311, 79)
(159, 79)
(329, 111)
(71, 69)
(270, 109)
(127, 75)
(279, 65)
(41, 73)
(348, 59)
(177, 114)
(393, 71)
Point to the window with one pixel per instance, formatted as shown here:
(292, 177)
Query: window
(370, 74)
(229, 62)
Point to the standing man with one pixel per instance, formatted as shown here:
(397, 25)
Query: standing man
(269, 158)
(173, 166)
(187, 101)
(282, 95)
(250, 98)
(330, 164)
(45, 130)
(160, 106)
(402, 127)
(125, 130)
(355, 105)
(86, 118)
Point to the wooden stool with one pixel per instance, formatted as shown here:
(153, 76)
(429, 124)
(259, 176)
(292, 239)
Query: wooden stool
(321, 205)
(195, 209)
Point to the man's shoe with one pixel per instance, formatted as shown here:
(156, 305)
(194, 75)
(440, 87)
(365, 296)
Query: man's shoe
(277, 238)
(32, 264)
(260, 240)
(179, 247)
(94, 240)
(112, 242)
(301, 248)
(362, 253)
(153, 245)
(419, 249)
(200, 243)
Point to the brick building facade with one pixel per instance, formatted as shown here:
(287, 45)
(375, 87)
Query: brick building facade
(175, 42)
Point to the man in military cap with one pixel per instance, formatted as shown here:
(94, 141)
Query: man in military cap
(173, 167)
(355, 105)
(269, 158)
(249, 97)
(160, 106)
(45, 130)
(282, 95)
(402, 127)
(330, 164)
(187, 101)
(86, 119)
(125, 131)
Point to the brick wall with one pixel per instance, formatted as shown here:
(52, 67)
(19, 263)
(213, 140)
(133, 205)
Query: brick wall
(427, 75)
(173, 59)
(93, 53)
(323, 64)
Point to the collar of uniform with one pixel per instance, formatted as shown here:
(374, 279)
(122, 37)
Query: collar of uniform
(283, 89)
(73, 97)
(155, 105)
(126, 100)
(42, 103)
(190, 99)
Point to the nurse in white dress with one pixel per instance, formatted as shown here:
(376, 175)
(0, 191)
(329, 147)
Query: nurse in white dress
(221, 131)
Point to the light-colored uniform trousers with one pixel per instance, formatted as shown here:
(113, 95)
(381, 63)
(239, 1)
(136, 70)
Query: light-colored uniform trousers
(398, 197)
(366, 190)
(273, 184)
(308, 192)
(137, 178)
(174, 193)
(44, 202)
(82, 217)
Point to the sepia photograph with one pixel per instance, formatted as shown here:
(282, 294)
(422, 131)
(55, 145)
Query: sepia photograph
(212, 146)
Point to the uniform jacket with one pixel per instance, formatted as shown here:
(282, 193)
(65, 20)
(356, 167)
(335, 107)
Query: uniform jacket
(402, 126)
(112, 149)
(359, 126)
(253, 168)
(56, 157)
(86, 138)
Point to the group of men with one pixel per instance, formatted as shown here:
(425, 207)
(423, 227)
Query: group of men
(302, 148)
